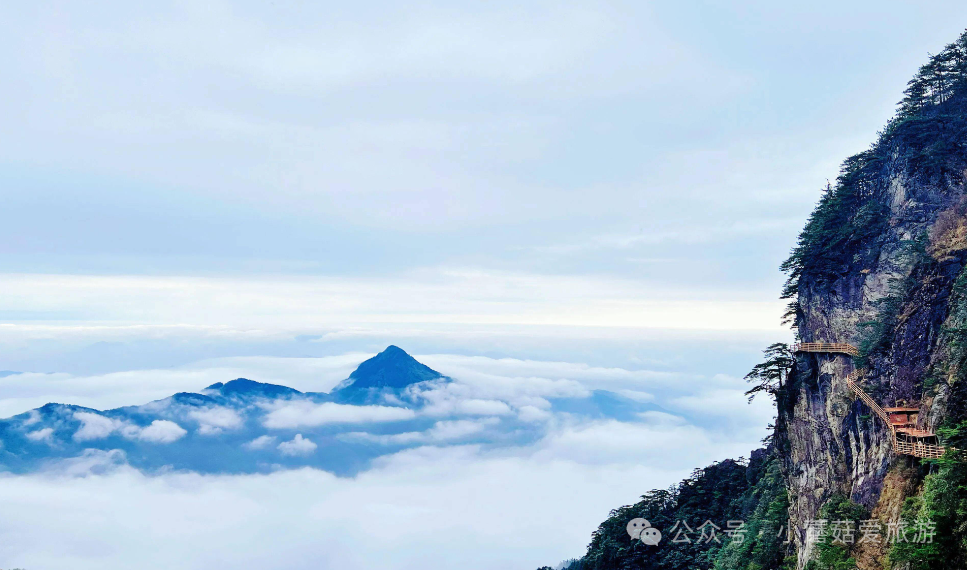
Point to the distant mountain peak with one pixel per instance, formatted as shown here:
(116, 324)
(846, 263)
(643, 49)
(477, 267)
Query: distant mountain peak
(246, 387)
(392, 368)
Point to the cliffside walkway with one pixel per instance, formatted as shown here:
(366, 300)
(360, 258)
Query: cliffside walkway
(902, 421)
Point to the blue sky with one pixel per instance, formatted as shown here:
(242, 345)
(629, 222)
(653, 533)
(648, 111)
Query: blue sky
(563, 139)
(420, 163)
(591, 192)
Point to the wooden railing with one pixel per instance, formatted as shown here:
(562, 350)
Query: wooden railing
(867, 399)
(917, 448)
(914, 448)
(840, 347)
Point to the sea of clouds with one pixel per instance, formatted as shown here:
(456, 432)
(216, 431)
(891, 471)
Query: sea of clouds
(441, 504)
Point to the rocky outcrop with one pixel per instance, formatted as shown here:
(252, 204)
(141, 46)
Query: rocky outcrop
(832, 443)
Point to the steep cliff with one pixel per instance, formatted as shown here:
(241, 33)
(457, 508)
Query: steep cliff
(880, 266)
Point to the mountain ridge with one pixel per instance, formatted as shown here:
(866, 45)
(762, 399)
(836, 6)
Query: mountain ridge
(247, 426)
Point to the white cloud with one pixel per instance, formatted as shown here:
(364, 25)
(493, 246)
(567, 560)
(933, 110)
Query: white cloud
(297, 446)
(318, 374)
(449, 405)
(205, 429)
(94, 426)
(533, 414)
(102, 391)
(291, 415)
(215, 419)
(45, 434)
(481, 387)
(30, 390)
(483, 407)
(261, 442)
(660, 439)
(526, 382)
(728, 404)
(462, 297)
(510, 378)
(89, 462)
(637, 395)
(162, 431)
(460, 398)
(441, 432)
(450, 430)
(507, 494)
(276, 520)
(534, 44)
(656, 418)
(405, 438)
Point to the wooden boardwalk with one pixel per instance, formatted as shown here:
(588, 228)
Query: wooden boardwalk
(907, 439)
(840, 347)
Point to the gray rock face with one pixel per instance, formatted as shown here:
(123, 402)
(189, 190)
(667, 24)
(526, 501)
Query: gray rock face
(833, 444)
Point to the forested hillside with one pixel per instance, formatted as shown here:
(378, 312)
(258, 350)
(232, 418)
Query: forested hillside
(882, 265)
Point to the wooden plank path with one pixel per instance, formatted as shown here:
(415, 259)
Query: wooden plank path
(840, 347)
(902, 446)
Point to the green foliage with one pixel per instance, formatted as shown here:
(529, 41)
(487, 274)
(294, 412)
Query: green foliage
(791, 313)
(929, 119)
(928, 132)
(725, 491)
(845, 219)
(916, 555)
(875, 334)
(830, 554)
(763, 547)
(769, 376)
(708, 495)
(943, 500)
(955, 330)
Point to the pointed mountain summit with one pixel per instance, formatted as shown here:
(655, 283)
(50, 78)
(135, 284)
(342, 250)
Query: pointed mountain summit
(390, 370)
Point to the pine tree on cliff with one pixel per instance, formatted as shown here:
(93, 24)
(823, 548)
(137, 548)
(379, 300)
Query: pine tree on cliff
(929, 131)
(770, 375)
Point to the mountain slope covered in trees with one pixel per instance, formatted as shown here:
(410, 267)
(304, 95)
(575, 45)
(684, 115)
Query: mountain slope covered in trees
(881, 264)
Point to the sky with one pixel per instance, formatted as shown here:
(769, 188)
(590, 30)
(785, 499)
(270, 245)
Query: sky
(192, 191)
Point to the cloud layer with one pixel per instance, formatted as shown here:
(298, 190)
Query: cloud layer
(460, 489)
(293, 415)
(95, 426)
(430, 507)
